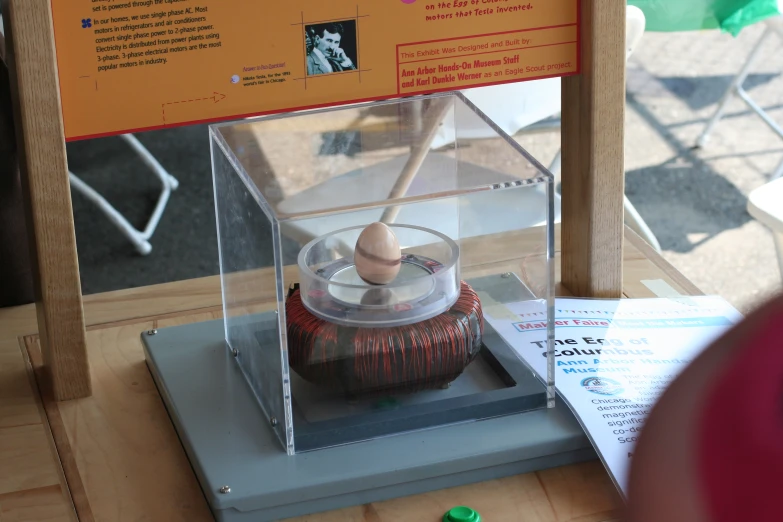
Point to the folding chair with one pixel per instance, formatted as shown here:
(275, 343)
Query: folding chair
(139, 238)
(773, 26)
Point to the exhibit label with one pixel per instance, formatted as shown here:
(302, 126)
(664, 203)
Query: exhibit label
(614, 358)
(132, 65)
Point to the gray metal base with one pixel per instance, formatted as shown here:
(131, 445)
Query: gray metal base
(229, 442)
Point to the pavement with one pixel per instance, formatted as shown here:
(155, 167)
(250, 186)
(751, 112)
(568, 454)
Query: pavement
(694, 200)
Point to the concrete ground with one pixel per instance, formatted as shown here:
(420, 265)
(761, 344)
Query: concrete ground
(694, 200)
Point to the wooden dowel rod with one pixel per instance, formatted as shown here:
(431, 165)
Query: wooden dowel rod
(432, 120)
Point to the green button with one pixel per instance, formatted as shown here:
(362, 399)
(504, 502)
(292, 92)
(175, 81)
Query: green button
(461, 514)
(385, 403)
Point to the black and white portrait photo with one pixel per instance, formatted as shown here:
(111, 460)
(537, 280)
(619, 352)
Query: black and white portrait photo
(331, 47)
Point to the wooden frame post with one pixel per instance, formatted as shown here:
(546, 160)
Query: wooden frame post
(44, 169)
(593, 170)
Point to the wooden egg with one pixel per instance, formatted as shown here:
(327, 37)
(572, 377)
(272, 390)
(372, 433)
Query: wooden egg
(377, 254)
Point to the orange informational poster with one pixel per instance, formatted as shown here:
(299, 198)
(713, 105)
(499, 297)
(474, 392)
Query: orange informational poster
(132, 65)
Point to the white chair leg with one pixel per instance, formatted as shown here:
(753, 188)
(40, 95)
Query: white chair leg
(736, 85)
(556, 164)
(638, 225)
(168, 182)
(751, 103)
(555, 168)
(150, 160)
(139, 238)
(771, 123)
(142, 245)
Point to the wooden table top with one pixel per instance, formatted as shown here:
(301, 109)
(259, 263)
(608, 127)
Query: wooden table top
(115, 456)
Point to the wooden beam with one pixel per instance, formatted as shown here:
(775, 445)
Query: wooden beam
(593, 174)
(44, 169)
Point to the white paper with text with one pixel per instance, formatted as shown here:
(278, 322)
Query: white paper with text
(614, 358)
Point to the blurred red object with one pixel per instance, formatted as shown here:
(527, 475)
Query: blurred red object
(712, 448)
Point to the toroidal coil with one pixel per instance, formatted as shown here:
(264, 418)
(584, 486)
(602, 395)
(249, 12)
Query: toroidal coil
(396, 359)
(420, 331)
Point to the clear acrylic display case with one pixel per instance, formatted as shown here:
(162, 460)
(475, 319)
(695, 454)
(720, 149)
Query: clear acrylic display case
(338, 359)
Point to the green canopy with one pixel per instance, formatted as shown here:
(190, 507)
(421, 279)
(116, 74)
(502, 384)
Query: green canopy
(694, 15)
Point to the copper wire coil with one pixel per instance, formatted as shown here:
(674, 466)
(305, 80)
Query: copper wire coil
(400, 359)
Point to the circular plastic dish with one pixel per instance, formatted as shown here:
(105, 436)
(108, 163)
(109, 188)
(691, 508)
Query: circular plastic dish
(428, 283)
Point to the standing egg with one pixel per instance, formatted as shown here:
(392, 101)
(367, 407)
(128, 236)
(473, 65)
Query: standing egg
(377, 254)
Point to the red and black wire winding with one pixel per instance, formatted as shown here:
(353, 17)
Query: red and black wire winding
(409, 358)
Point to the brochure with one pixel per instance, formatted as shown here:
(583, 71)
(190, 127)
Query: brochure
(614, 358)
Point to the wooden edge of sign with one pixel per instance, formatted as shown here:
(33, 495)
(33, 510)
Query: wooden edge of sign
(593, 173)
(44, 169)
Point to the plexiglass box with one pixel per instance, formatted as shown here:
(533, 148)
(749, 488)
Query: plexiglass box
(382, 233)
